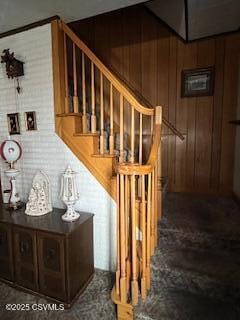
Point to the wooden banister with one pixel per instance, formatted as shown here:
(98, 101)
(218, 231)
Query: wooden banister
(107, 73)
(140, 97)
(103, 98)
(143, 218)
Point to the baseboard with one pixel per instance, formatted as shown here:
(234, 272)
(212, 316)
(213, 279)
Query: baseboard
(236, 198)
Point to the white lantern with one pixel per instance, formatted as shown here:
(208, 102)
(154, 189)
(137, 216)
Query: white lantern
(69, 194)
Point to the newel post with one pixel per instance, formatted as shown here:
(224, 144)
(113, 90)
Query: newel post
(159, 167)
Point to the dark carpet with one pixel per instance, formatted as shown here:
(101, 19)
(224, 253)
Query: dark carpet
(195, 271)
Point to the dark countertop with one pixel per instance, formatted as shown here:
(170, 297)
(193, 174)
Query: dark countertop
(51, 222)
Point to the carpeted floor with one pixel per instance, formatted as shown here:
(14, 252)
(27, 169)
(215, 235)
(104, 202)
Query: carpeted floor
(195, 271)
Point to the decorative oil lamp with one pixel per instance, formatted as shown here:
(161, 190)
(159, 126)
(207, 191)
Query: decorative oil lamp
(11, 152)
(69, 194)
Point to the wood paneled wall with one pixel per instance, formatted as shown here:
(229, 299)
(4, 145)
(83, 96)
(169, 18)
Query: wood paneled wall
(151, 58)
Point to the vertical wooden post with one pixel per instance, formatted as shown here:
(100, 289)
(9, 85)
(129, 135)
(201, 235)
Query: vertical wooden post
(153, 214)
(132, 135)
(149, 207)
(123, 288)
(111, 138)
(121, 149)
(151, 128)
(93, 116)
(127, 206)
(75, 96)
(66, 74)
(144, 252)
(134, 283)
(118, 237)
(101, 116)
(84, 115)
(140, 137)
(155, 204)
(58, 67)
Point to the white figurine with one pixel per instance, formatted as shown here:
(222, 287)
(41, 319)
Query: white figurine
(39, 202)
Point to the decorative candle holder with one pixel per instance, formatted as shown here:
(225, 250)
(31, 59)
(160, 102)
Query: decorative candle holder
(69, 194)
(11, 152)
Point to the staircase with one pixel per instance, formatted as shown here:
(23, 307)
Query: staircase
(118, 139)
(195, 266)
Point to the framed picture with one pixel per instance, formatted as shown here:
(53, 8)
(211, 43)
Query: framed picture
(30, 121)
(13, 123)
(198, 82)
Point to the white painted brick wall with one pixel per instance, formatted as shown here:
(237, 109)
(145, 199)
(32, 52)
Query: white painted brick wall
(43, 149)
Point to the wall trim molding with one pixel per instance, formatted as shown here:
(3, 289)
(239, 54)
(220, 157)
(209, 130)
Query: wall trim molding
(29, 26)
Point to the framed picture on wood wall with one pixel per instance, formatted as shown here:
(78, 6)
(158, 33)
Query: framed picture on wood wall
(13, 123)
(197, 82)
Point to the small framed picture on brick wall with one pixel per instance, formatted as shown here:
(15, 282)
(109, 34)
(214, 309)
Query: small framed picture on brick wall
(30, 121)
(13, 123)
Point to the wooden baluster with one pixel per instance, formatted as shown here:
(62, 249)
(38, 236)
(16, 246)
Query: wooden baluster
(160, 183)
(153, 214)
(151, 126)
(123, 282)
(140, 137)
(127, 213)
(121, 148)
(132, 135)
(134, 283)
(111, 138)
(155, 204)
(84, 115)
(93, 116)
(66, 75)
(118, 237)
(101, 116)
(75, 97)
(144, 253)
(149, 207)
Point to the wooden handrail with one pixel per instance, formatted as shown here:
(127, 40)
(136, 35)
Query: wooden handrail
(140, 97)
(107, 73)
(138, 169)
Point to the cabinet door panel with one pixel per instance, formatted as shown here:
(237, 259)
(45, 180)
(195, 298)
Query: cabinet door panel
(51, 265)
(6, 258)
(52, 286)
(51, 254)
(25, 250)
(4, 249)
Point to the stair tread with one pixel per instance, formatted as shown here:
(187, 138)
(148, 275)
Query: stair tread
(105, 155)
(70, 114)
(87, 134)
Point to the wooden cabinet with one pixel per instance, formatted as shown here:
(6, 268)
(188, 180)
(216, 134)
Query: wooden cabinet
(6, 256)
(45, 254)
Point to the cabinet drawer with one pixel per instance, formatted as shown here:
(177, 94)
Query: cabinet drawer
(6, 260)
(51, 252)
(25, 258)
